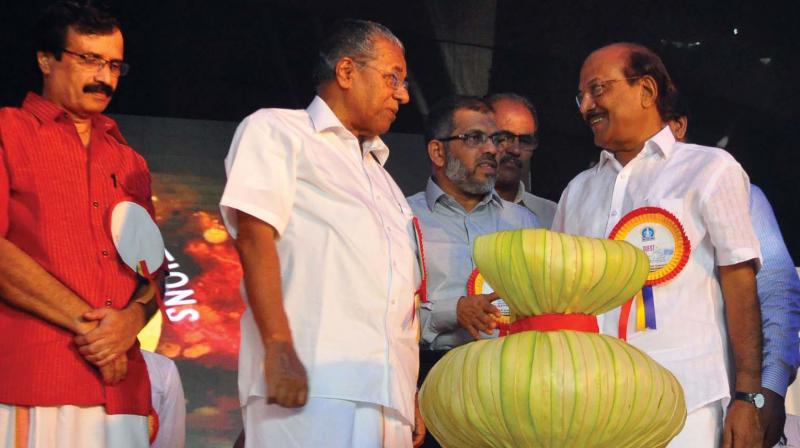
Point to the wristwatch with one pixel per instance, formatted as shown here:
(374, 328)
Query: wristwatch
(756, 398)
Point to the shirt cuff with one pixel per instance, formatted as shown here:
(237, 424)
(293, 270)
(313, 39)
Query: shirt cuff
(775, 379)
(443, 315)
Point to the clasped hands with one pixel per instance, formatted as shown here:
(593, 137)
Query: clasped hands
(110, 333)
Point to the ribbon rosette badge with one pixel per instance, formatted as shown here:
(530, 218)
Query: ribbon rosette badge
(661, 236)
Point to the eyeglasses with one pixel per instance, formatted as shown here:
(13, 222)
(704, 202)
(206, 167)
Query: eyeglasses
(525, 142)
(95, 62)
(598, 88)
(476, 139)
(392, 80)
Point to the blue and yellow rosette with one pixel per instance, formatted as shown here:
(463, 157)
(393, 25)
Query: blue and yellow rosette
(476, 284)
(661, 236)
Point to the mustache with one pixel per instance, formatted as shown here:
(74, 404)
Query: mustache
(487, 158)
(510, 158)
(99, 87)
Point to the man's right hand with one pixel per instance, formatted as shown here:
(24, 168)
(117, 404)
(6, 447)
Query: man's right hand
(287, 384)
(476, 313)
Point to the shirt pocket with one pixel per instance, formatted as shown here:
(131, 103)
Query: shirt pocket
(136, 186)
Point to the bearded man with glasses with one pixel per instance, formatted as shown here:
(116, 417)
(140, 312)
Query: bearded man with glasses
(72, 374)
(459, 204)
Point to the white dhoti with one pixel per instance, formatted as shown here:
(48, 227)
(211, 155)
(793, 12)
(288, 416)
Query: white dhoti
(324, 422)
(70, 427)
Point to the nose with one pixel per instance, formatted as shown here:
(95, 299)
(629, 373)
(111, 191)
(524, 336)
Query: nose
(489, 147)
(586, 104)
(401, 95)
(509, 148)
(105, 75)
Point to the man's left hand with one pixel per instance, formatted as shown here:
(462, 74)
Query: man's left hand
(742, 426)
(773, 417)
(114, 335)
(419, 426)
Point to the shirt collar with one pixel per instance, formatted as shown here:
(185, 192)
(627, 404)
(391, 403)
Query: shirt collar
(45, 111)
(520, 193)
(661, 143)
(433, 193)
(323, 119)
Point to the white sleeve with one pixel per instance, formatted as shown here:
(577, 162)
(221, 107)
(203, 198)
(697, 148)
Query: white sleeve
(725, 211)
(261, 171)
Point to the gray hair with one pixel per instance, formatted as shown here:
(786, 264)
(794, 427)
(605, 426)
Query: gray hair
(351, 37)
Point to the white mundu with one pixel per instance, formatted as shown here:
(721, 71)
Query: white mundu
(348, 265)
(70, 426)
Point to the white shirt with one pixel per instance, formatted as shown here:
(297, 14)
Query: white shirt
(347, 254)
(166, 393)
(707, 190)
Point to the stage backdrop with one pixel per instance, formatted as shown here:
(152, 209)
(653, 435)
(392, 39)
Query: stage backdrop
(201, 329)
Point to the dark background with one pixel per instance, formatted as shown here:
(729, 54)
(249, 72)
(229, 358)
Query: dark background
(220, 61)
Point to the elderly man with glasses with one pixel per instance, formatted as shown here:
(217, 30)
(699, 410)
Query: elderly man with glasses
(516, 115)
(687, 207)
(328, 353)
(458, 205)
(72, 374)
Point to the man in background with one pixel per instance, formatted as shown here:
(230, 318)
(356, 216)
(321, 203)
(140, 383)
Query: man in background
(458, 205)
(516, 115)
(778, 289)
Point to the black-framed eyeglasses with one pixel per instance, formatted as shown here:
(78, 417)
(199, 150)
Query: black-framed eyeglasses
(95, 62)
(392, 79)
(598, 88)
(476, 139)
(525, 142)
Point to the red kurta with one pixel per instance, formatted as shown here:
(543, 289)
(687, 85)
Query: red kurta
(56, 197)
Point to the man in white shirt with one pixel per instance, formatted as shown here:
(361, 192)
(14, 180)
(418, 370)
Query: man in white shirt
(623, 90)
(169, 404)
(516, 115)
(329, 353)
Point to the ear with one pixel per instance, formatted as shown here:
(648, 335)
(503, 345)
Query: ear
(345, 70)
(43, 60)
(436, 153)
(649, 91)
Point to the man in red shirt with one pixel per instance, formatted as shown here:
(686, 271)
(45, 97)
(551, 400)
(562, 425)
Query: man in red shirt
(71, 374)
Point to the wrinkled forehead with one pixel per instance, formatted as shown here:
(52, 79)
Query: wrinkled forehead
(602, 65)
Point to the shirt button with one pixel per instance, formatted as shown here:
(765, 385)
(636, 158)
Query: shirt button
(95, 204)
(614, 213)
(105, 253)
(108, 302)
